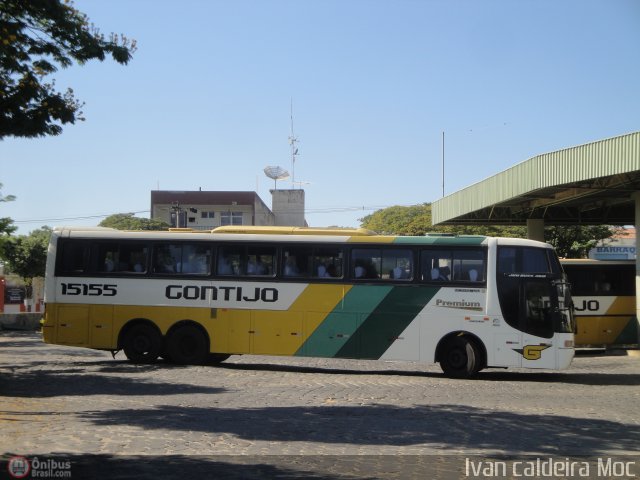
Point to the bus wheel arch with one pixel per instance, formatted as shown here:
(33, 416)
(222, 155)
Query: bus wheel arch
(461, 354)
(187, 343)
(141, 341)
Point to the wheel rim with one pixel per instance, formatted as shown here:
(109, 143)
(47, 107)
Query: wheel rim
(141, 344)
(457, 358)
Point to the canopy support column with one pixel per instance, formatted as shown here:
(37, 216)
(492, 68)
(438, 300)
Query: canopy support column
(535, 229)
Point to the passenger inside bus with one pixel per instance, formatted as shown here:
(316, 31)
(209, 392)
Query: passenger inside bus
(444, 273)
(290, 267)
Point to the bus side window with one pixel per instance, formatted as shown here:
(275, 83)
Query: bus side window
(435, 265)
(327, 262)
(367, 263)
(297, 261)
(108, 258)
(75, 257)
(229, 260)
(165, 259)
(261, 261)
(468, 265)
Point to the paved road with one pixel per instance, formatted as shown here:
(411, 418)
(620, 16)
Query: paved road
(320, 418)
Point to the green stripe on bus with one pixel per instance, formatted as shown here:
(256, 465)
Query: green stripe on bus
(331, 335)
(630, 334)
(385, 324)
(437, 240)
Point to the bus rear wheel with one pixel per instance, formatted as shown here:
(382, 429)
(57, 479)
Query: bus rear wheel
(216, 358)
(460, 358)
(187, 345)
(142, 344)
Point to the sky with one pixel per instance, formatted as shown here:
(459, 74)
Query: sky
(206, 101)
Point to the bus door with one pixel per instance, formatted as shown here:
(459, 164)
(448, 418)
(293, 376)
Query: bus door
(539, 306)
(529, 303)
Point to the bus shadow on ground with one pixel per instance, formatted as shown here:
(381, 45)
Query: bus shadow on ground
(441, 427)
(486, 375)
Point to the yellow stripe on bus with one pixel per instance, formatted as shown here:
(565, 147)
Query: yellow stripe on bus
(376, 239)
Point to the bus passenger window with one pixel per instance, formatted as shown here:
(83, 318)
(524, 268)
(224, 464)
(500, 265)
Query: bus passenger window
(194, 259)
(397, 264)
(75, 256)
(166, 258)
(382, 263)
(229, 260)
(133, 258)
(468, 265)
(366, 263)
(436, 265)
(297, 261)
(327, 262)
(126, 257)
(261, 261)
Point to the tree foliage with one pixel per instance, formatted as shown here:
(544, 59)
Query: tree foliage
(127, 221)
(416, 220)
(26, 255)
(569, 241)
(575, 241)
(6, 224)
(37, 37)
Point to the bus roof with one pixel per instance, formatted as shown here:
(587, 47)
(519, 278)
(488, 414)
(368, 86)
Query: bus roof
(273, 230)
(288, 234)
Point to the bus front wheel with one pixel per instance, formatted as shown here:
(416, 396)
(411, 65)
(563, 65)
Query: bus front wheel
(187, 345)
(460, 358)
(142, 344)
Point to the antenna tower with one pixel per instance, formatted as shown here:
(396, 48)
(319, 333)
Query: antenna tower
(294, 150)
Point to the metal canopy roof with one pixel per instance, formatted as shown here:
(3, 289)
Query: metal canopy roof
(587, 185)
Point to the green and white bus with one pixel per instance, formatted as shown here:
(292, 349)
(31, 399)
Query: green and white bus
(467, 302)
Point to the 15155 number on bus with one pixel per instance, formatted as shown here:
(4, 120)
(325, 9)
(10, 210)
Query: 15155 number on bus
(89, 289)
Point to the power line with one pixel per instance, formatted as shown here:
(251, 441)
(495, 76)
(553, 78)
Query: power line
(308, 211)
(83, 217)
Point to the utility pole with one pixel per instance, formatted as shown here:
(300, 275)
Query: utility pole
(294, 150)
(443, 163)
(175, 208)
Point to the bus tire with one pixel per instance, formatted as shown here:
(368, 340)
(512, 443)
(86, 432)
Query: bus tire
(142, 344)
(216, 358)
(460, 358)
(187, 345)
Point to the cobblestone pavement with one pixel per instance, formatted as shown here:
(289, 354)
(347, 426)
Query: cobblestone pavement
(253, 414)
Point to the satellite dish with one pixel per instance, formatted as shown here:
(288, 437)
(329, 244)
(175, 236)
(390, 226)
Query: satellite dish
(276, 173)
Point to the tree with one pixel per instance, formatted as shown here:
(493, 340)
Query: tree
(416, 220)
(6, 227)
(575, 241)
(569, 242)
(26, 256)
(127, 221)
(37, 36)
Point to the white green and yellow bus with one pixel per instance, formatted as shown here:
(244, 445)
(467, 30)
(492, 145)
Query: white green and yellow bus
(604, 296)
(467, 302)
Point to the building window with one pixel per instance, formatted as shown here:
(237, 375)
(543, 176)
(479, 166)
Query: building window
(231, 218)
(204, 214)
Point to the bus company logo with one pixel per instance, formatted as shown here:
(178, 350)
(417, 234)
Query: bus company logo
(18, 467)
(222, 293)
(532, 352)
